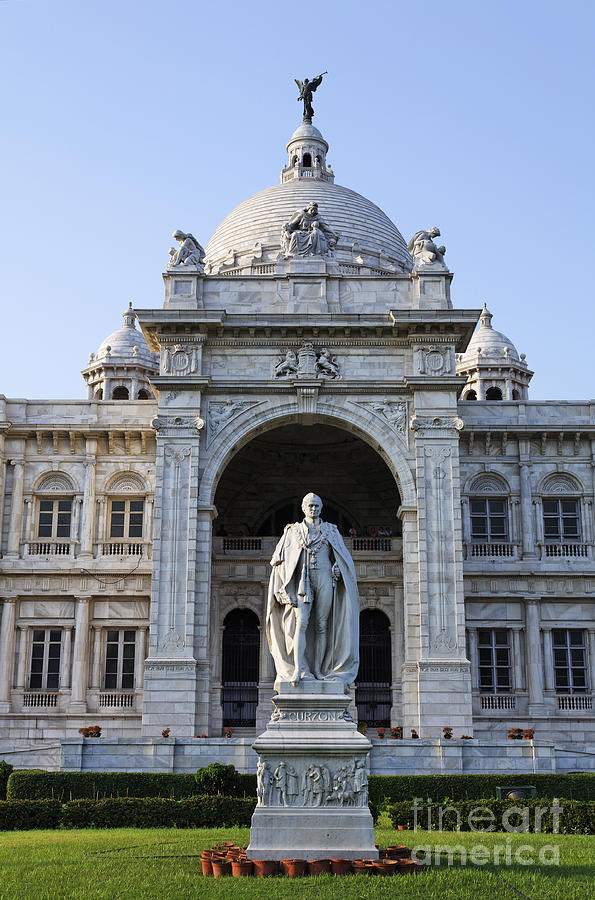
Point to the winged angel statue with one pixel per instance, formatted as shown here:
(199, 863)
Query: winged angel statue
(307, 88)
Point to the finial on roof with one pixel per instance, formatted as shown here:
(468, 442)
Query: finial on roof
(129, 316)
(485, 318)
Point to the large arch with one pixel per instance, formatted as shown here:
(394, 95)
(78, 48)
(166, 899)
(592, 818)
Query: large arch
(254, 422)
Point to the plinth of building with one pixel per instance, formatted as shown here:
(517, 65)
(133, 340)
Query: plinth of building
(312, 778)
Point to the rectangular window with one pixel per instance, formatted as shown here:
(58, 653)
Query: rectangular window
(46, 651)
(570, 660)
(54, 518)
(489, 519)
(561, 519)
(493, 650)
(127, 519)
(119, 660)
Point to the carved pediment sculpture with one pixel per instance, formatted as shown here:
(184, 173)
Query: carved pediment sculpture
(308, 362)
(188, 253)
(306, 234)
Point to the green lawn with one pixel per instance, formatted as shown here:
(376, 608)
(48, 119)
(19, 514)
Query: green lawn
(164, 863)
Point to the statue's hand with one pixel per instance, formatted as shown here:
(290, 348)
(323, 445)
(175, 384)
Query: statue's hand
(335, 572)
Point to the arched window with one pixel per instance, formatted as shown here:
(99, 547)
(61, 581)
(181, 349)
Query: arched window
(120, 393)
(307, 160)
(126, 518)
(239, 669)
(470, 395)
(53, 515)
(516, 395)
(488, 508)
(493, 393)
(143, 395)
(372, 690)
(98, 394)
(561, 511)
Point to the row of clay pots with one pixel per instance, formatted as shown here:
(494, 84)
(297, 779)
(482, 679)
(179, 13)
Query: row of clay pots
(219, 866)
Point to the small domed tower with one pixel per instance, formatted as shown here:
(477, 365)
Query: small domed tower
(306, 151)
(493, 367)
(122, 366)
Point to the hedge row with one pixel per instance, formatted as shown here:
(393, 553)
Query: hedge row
(568, 817)
(36, 784)
(127, 812)
(394, 788)
(64, 786)
(5, 772)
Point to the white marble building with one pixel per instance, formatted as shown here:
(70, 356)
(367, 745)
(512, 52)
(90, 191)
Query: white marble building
(137, 525)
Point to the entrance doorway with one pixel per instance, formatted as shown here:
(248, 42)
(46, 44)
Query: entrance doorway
(372, 689)
(241, 652)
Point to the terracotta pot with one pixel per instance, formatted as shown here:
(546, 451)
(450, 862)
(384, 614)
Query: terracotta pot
(407, 866)
(265, 867)
(294, 868)
(391, 866)
(240, 868)
(398, 851)
(401, 827)
(380, 866)
(362, 867)
(207, 866)
(319, 866)
(221, 867)
(341, 866)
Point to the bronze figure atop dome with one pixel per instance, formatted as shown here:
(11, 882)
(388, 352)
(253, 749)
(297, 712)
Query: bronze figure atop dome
(307, 88)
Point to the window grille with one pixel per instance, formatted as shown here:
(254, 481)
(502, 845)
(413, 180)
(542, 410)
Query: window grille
(570, 663)
(489, 519)
(46, 651)
(119, 660)
(493, 650)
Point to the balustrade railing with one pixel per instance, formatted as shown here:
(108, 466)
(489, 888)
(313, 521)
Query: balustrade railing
(574, 701)
(550, 551)
(43, 699)
(497, 701)
(49, 548)
(116, 701)
(490, 549)
(125, 548)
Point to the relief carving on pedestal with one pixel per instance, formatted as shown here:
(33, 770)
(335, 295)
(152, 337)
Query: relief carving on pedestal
(311, 784)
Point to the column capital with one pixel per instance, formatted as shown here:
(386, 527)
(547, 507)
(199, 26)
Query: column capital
(17, 462)
(9, 598)
(405, 512)
(208, 509)
(83, 598)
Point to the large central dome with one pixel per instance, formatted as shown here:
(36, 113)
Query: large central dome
(252, 232)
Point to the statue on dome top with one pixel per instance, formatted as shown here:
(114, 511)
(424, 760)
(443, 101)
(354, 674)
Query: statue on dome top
(307, 88)
(188, 253)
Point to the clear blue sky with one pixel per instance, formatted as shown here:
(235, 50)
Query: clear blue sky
(125, 119)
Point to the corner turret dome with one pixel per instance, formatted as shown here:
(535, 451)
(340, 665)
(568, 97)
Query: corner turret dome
(123, 365)
(252, 233)
(493, 367)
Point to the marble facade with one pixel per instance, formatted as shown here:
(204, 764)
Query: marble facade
(399, 398)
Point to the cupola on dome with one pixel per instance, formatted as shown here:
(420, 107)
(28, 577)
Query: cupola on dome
(123, 365)
(253, 232)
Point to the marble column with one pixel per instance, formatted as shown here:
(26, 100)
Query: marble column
(527, 537)
(7, 641)
(16, 508)
(80, 656)
(22, 664)
(548, 659)
(139, 657)
(87, 529)
(473, 658)
(96, 672)
(534, 658)
(517, 660)
(3, 466)
(66, 659)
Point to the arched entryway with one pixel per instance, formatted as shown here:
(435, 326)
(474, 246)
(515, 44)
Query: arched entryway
(240, 668)
(373, 686)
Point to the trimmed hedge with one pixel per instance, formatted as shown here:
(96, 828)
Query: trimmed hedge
(394, 788)
(158, 812)
(36, 784)
(64, 786)
(5, 772)
(575, 817)
(21, 815)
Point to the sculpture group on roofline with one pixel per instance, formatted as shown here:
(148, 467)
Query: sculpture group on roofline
(188, 253)
(423, 249)
(306, 234)
(307, 362)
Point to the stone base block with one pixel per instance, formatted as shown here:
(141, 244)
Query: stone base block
(312, 834)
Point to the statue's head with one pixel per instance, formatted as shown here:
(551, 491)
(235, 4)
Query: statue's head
(312, 505)
(179, 235)
(312, 208)
(434, 231)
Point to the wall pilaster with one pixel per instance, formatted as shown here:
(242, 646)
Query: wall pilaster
(7, 644)
(80, 656)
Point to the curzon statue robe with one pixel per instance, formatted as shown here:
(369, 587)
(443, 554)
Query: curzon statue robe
(341, 659)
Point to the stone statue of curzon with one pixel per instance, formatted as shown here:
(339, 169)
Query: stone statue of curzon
(188, 253)
(306, 234)
(312, 620)
(424, 250)
(307, 88)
